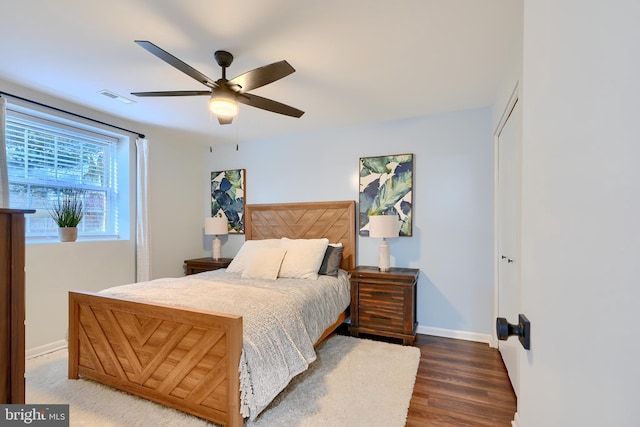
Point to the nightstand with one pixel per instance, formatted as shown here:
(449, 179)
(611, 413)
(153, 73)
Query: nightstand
(198, 265)
(384, 303)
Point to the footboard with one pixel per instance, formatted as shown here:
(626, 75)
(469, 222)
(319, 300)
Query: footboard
(186, 359)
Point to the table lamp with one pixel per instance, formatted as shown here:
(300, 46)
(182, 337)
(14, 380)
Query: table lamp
(384, 226)
(216, 226)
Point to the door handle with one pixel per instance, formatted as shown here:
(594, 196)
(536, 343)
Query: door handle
(522, 330)
(509, 260)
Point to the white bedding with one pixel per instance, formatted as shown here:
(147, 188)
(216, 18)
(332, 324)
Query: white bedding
(282, 319)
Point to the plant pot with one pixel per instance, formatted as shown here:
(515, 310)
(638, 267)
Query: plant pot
(68, 234)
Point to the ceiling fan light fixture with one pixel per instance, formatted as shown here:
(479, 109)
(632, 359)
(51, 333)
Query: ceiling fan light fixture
(221, 105)
(224, 93)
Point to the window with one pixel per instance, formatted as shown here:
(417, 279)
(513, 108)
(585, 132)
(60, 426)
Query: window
(47, 159)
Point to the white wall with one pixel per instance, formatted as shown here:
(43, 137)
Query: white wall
(512, 75)
(453, 202)
(175, 200)
(581, 204)
(53, 269)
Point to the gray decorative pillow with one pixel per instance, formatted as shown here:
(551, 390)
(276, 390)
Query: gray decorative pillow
(331, 261)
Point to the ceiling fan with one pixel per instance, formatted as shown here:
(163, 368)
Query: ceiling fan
(225, 94)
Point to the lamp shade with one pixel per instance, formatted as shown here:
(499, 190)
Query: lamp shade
(384, 226)
(216, 225)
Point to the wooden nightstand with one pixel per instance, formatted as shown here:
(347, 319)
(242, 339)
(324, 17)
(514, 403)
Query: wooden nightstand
(198, 265)
(384, 303)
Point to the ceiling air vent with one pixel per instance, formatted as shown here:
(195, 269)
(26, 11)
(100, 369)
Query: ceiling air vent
(115, 96)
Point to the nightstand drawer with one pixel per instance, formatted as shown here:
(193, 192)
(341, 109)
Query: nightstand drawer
(381, 306)
(380, 320)
(375, 294)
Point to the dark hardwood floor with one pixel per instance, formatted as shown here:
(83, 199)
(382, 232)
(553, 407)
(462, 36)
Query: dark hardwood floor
(458, 384)
(461, 384)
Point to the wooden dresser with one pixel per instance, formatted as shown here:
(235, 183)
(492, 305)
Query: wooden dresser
(12, 305)
(384, 303)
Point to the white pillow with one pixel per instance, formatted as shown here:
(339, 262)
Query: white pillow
(246, 252)
(265, 264)
(303, 258)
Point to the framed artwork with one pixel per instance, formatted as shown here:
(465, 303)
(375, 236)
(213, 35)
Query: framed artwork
(386, 188)
(227, 196)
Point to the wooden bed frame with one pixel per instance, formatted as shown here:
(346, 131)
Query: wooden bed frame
(188, 359)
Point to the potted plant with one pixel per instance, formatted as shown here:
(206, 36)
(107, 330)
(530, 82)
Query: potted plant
(67, 213)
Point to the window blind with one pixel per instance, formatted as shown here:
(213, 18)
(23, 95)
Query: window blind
(46, 160)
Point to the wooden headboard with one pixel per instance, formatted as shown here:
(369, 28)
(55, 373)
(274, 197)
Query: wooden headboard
(312, 220)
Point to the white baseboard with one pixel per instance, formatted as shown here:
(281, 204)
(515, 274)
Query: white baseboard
(450, 333)
(44, 349)
(516, 421)
(494, 342)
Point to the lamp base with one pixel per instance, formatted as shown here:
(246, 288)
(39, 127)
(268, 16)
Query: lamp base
(383, 256)
(216, 252)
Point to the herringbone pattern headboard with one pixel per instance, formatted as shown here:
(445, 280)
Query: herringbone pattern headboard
(334, 220)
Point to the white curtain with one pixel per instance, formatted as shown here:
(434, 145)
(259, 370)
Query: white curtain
(143, 264)
(4, 173)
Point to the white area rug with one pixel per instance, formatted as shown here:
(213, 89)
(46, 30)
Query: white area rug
(354, 382)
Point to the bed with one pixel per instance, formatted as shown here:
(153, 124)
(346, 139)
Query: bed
(189, 358)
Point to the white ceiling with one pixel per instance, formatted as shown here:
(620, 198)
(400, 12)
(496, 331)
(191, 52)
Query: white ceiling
(356, 61)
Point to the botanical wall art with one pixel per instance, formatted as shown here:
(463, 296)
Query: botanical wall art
(228, 196)
(386, 188)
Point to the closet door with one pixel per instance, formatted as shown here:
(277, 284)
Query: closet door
(508, 235)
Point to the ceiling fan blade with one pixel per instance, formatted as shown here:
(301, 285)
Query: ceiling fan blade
(174, 93)
(225, 120)
(261, 76)
(177, 63)
(269, 105)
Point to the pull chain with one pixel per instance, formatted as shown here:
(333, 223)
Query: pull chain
(237, 126)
